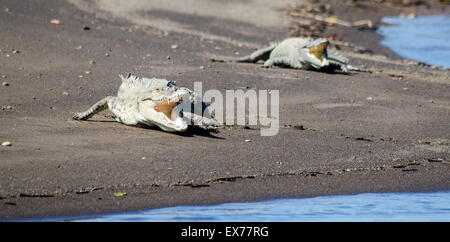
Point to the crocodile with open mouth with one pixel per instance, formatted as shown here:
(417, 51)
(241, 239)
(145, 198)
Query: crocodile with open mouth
(154, 102)
(301, 53)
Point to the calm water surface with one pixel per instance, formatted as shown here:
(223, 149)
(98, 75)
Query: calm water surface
(432, 206)
(425, 38)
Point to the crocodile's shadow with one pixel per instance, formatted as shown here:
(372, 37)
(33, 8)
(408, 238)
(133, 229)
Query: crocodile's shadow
(330, 70)
(190, 132)
(196, 131)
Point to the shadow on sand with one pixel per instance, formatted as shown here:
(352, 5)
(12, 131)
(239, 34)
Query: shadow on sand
(190, 132)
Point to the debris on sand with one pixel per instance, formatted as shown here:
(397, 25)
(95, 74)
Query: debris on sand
(55, 21)
(7, 143)
(435, 160)
(314, 19)
(120, 194)
(322, 18)
(7, 107)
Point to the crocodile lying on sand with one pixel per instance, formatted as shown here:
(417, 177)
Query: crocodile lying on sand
(301, 53)
(153, 102)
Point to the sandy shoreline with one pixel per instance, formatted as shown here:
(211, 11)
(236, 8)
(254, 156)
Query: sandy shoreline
(395, 141)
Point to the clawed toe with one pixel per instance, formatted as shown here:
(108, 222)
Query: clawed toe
(78, 116)
(213, 129)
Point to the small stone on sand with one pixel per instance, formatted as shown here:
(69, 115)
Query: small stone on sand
(6, 143)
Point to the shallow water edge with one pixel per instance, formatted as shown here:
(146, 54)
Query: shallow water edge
(365, 207)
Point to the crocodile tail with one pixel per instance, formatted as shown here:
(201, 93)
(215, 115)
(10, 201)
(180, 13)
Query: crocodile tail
(262, 54)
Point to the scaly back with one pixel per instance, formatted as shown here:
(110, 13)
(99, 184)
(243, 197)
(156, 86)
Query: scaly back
(289, 47)
(134, 87)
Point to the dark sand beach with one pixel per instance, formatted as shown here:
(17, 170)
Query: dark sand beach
(384, 131)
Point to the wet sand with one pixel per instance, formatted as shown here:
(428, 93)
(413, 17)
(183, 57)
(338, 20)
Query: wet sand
(385, 131)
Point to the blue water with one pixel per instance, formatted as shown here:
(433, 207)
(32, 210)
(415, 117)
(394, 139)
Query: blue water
(425, 39)
(422, 207)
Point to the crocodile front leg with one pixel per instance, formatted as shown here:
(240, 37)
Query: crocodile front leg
(200, 121)
(94, 109)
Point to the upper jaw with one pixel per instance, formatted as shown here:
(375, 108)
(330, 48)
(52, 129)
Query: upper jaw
(167, 111)
(167, 95)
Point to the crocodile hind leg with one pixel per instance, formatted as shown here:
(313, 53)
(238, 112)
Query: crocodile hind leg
(262, 54)
(94, 109)
(354, 68)
(283, 61)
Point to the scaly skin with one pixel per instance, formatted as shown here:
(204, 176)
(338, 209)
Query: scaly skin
(301, 53)
(152, 102)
